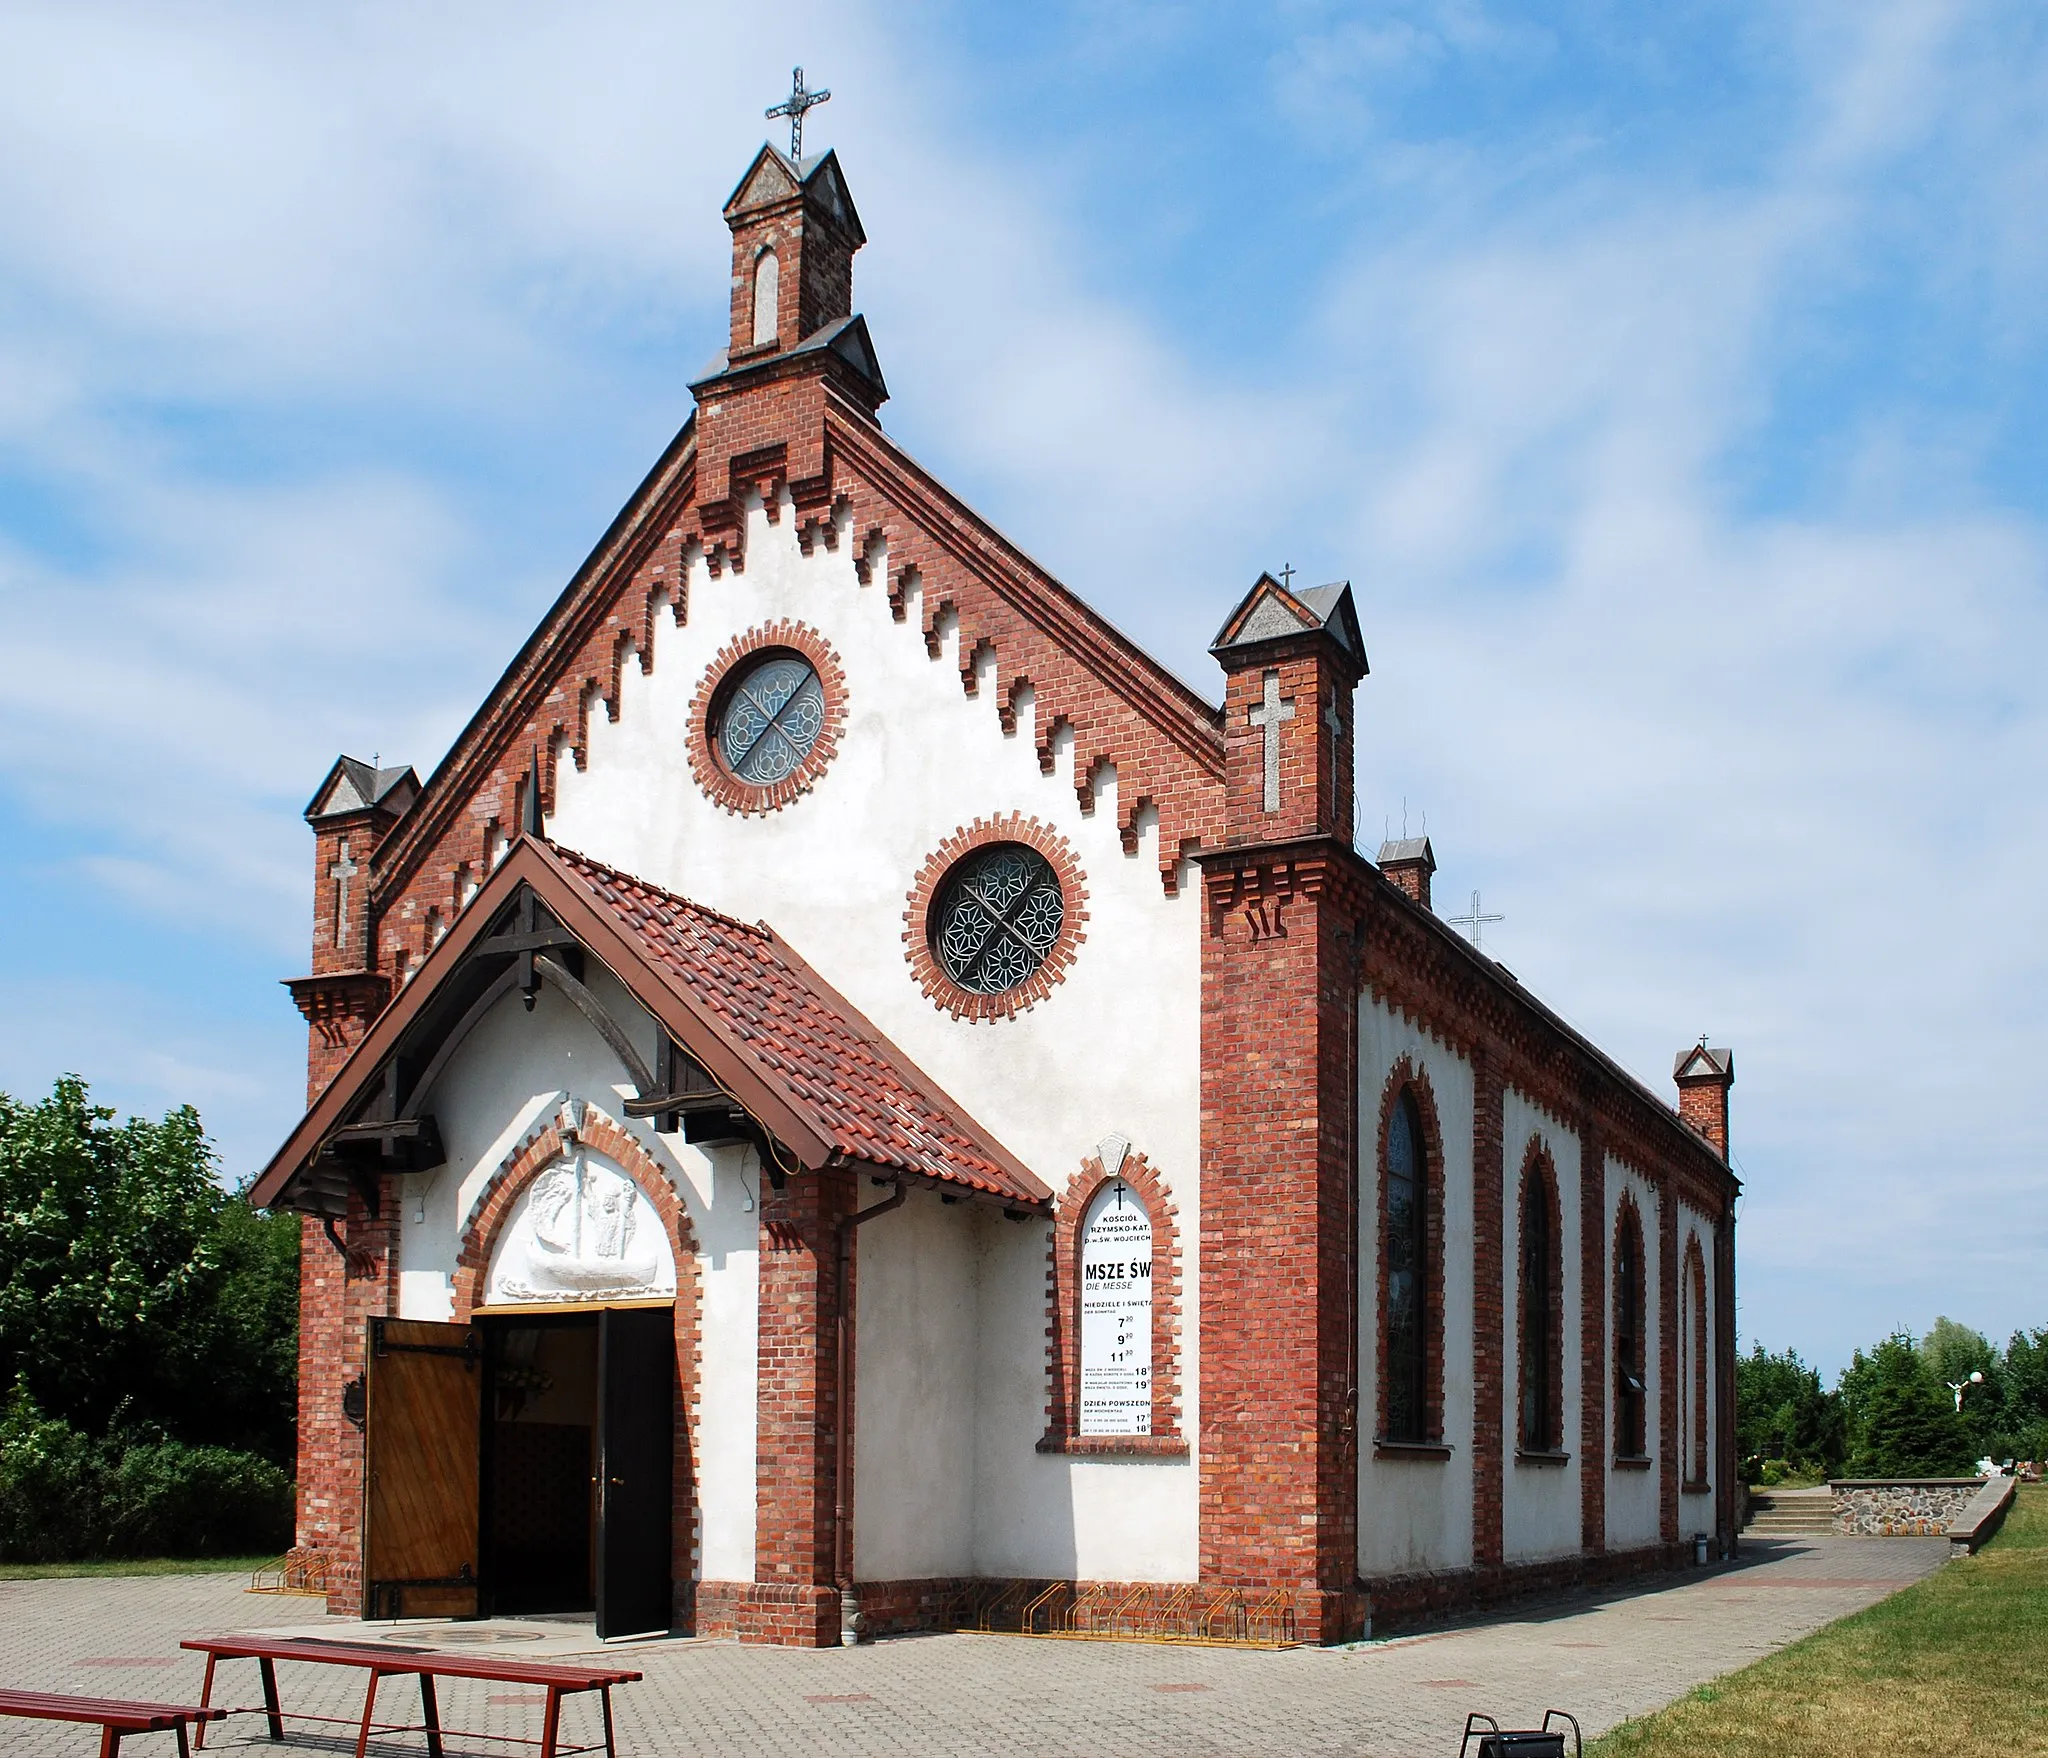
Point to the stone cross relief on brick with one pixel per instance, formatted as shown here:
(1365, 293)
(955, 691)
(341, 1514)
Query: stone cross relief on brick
(341, 873)
(1270, 716)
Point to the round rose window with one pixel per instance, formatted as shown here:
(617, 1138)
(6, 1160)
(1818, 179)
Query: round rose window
(997, 917)
(769, 718)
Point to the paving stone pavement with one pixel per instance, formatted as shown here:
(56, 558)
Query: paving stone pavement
(1603, 1656)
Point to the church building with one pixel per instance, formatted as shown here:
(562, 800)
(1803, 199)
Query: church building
(853, 1100)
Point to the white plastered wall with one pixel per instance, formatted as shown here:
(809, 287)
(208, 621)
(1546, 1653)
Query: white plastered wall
(1540, 1502)
(1416, 1514)
(507, 1078)
(1631, 1490)
(1114, 1047)
(917, 1322)
(1696, 1510)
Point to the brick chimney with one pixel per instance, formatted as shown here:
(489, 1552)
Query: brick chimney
(356, 806)
(1292, 662)
(1409, 864)
(1704, 1076)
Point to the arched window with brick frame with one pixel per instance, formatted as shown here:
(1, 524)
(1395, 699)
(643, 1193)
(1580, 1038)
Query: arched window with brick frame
(1411, 1347)
(1631, 1384)
(1539, 1308)
(1115, 1370)
(767, 298)
(1694, 1331)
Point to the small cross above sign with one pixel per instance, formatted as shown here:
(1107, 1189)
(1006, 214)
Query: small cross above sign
(341, 873)
(794, 107)
(1476, 921)
(1270, 716)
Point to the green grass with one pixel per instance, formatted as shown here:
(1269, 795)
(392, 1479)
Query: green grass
(133, 1566)
(1952, 1666)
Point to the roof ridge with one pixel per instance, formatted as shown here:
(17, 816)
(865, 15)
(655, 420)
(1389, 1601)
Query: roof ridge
(575, 857)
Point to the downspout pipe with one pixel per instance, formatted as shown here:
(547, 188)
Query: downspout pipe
(842, 1438)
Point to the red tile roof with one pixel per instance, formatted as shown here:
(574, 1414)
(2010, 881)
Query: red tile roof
(800, 1034)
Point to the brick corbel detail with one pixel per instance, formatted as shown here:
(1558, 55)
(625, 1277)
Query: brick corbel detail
(542, 1148)
(1063, 1329)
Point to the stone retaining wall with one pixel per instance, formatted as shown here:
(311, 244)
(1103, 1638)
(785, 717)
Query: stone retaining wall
(1913, 1507)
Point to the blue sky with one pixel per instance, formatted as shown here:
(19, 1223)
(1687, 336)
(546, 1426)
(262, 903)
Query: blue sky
(1669, 382)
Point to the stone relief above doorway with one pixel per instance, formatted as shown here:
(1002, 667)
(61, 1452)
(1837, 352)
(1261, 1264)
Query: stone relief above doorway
(582, 1231)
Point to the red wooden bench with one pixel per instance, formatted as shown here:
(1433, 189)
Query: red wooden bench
(114, 1716)
(559, 1678)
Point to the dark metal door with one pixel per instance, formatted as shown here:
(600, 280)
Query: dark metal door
(636, 1366)
(422, 1424)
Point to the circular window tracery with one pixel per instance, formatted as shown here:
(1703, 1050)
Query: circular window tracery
(767, 717)
(995, 916)
(998, 918)
(770, 719)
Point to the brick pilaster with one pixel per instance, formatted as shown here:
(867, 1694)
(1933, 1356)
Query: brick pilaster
(1594, 1377)
(1489, 1306)
(1725, 1460)
(337, 1299)
(794, 1598)
(1278, 1472)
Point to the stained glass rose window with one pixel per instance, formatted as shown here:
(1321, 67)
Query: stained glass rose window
(770, 717)
(998, 915)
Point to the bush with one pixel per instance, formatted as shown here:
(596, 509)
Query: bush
(49, 1487)
(171, 1500)
(65, 1497)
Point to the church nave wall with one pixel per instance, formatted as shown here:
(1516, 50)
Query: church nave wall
(917, 1287)
(1415, 1512)
(1540, 1500)
(1633, 1485)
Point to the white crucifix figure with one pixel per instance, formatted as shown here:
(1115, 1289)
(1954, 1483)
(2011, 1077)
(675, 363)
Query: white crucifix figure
(1270, 716)
(341, 873)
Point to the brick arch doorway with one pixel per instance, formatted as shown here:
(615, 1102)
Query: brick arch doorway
(533, 1455)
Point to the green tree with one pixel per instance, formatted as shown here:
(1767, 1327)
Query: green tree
(1953, 1352)
(1782, 1414)
(135, 1293)
(1902, 1419)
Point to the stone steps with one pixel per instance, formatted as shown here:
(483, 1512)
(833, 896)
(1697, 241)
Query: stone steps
(1799, 1513)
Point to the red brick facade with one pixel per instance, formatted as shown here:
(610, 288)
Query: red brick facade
(1297, 934)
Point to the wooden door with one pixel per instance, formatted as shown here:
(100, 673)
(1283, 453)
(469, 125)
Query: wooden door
(421, 1432)
(636, 1367)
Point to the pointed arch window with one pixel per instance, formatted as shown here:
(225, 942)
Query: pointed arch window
(1540, 1311)
(767, 297)
(1410, 1254)
(1631, 1395)
(1695, 1333)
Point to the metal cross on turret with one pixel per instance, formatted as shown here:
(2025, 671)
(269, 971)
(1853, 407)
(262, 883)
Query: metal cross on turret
(1476, 921)
(794, 107)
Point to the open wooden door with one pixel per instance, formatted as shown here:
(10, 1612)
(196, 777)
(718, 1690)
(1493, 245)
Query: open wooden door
(636, 1468)
(421, 1430)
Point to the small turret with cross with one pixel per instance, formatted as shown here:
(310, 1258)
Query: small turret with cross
(1293, 659)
